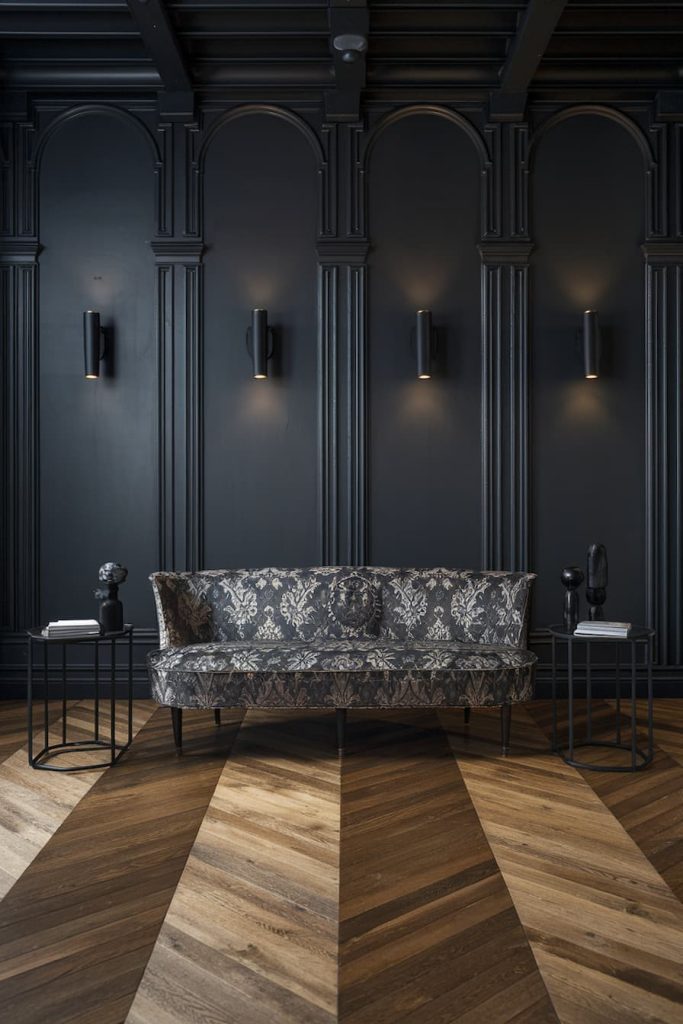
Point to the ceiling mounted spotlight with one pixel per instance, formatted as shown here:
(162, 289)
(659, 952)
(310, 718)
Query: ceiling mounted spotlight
(351, 46)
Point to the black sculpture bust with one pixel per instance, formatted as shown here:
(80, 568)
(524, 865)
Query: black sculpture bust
(596, 579)
(111, 609)
(572, 578)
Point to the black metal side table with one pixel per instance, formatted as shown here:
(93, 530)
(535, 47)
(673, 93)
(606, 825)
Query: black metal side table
(639, 637)
(115, 749)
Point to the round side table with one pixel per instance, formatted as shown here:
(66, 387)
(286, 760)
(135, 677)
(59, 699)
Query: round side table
(640, 638)
(110, 744)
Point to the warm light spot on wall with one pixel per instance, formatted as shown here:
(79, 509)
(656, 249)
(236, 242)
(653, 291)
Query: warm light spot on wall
(262, 292)
(584, 405)
(585, 283)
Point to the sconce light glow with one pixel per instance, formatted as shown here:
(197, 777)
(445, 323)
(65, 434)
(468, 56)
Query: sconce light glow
(93, 344)
(424, 343)
(591, 345)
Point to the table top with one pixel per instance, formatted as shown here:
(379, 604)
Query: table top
(37, 634)
(636, 633)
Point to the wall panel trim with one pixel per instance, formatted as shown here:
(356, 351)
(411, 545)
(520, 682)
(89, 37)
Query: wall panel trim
(505, 404)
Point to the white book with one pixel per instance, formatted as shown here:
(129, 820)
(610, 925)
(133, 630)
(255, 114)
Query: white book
(602, 633)
(73, 624)
(599, 625)
(72, 627)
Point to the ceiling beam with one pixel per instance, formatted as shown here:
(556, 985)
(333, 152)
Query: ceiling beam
(524, 55)
(154, 25)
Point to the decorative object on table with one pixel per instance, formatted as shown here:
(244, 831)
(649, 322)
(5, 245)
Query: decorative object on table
(596, 579)
(617, 630)
(572, 578)
(72, 627)
(111, 609)
(638, 638)
(104, 736)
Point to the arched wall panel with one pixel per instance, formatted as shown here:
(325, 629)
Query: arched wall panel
(98, 480)
(588, 436)
(260, 438)
(424, 435)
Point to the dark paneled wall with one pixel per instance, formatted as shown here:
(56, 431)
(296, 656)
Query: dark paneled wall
(506, 458)
(588, 437)
(424, 435)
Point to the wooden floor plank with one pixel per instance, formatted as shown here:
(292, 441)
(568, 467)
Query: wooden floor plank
(77, 928)
(567, 892)
(647, 803)
(605, 928)
(428, 932)
(251, 933)
(13, 723)
(35, 803)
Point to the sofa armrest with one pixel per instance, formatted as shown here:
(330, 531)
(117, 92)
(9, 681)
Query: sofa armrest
(183, 613)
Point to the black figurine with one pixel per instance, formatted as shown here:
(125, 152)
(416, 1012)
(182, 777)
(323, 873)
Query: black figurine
(596, 580)
(572, 578)
(111, 609)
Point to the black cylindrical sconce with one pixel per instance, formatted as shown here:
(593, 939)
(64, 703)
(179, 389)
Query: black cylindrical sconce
(259, 343)
(93, 345)
(591, 345)
(424, 336)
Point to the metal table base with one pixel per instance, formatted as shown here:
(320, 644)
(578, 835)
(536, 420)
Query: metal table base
(640, 758)
(116, 749)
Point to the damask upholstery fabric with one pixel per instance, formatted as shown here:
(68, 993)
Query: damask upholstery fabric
(341, 637)
(340, 673)
(309, 604)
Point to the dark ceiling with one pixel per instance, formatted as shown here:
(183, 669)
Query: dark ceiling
(440, 48)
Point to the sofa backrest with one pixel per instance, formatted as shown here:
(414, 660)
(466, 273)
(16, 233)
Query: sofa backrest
(342, 601)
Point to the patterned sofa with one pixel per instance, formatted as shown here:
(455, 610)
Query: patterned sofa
(341, 637)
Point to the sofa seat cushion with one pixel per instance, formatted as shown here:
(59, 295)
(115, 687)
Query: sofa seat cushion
(341, 673)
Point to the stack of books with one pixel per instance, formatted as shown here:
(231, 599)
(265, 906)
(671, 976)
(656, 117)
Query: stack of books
(599, 627)
(65, 628)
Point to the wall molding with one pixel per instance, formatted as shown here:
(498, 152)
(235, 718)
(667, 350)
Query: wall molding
(350, 251)
(664, 457)
(20, 586)
(505, 404)
(328, 391)
(180, 431)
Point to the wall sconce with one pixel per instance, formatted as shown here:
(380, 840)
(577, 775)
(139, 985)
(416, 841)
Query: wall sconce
(93, 344)
(260, 342)
(591, 345)
(425, 343)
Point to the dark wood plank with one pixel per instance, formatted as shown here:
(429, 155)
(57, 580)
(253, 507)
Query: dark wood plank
(428, 931)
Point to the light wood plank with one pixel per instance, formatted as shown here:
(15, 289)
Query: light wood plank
(251, 933)
(35, 803)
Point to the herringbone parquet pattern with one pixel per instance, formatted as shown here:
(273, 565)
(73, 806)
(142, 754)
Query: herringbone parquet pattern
(423, 879)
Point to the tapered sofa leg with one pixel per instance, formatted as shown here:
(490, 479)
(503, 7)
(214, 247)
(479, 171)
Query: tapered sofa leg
(217, 715)
(177, 719)
(505, 720)
(341, 729)
(467, 715)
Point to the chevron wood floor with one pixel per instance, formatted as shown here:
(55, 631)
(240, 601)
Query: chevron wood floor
(422, 880)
